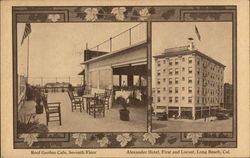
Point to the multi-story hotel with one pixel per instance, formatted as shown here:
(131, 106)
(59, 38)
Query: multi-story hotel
(189, 83)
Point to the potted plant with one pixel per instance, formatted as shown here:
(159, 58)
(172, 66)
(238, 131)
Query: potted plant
(29, 92)
(124, 113)
(38, 99)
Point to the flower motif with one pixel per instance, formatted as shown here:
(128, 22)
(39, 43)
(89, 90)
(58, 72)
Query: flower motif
(91, 14)
(30, 138)
(119, 13)
(194, 136)
(103, 142)
(124, 139)
(144, 14)
(54, 17)
(151, 137)
(79, 138)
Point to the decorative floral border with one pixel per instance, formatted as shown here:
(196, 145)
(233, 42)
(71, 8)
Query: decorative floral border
(123, 14)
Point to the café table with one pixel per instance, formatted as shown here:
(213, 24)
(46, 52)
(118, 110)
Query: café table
(88, 98)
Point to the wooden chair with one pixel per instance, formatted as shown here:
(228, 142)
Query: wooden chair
(53, 110)
(76, 102)
(97, 105)
(108, 93)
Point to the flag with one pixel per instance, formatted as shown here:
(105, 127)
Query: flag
(27, 31)
(197, 33)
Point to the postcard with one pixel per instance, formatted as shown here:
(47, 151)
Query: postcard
(125, 79)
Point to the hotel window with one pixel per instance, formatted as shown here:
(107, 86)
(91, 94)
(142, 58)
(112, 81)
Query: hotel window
(190, 70)
(170, 62)
(189, 79)
(164, 61)
(183, 98)
(198, 81)
(176, 89)
(176, 99)
(176, 80)
(158, 90)
(190, 60)
(198, 62)
(170, 71)
(158, 72)
(198, 71)
(176, 61)
(198, 91)
(183, 88)
(164, 98)
(164, 80)
(170, 90)
(164, 70)
(176, 71)
(164, 89)
(183, 69)
(159, 99)
(158, 63)
(198, 100)
(189, 89)
(158, 81)
(183, 59)
(170, 100)
(170, 81)
(190, 99)
(183, 78)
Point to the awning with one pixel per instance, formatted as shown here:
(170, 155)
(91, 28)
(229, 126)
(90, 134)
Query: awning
(82, 72)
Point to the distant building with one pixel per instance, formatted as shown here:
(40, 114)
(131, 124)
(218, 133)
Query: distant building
(188, 82)
(228, 96)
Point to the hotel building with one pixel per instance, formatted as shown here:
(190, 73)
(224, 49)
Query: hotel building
(189, 83)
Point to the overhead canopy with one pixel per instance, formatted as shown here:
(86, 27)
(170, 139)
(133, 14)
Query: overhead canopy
(131, 70)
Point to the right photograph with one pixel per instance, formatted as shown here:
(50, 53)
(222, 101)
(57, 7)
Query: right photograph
(192, 77)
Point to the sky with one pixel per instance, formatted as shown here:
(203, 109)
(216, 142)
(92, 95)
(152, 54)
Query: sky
(55, 48)
(216, 40)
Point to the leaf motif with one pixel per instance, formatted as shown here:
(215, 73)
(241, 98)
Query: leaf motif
(54, 17)
(103, 142)
(91, 14)
(194, 136)
(151, 137)
(29, 138)
(144, 13)
(124, 139)
(79, 138)
(119, 13)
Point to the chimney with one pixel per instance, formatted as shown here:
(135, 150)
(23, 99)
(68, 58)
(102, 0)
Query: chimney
(191, 45)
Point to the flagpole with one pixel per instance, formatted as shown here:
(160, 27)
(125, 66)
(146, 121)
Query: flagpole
(28, 58)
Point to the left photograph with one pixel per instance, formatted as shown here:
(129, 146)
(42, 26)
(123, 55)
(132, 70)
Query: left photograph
(81, 77)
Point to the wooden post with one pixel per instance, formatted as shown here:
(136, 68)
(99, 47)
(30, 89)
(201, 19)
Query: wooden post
(130, 41)
(110, 42)
(28, 57)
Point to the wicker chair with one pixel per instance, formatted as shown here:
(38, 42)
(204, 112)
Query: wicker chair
(76, 102)
(53, 110)
(97, 106)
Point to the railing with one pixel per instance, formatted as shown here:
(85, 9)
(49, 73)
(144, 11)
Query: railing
(42, 81)
(124, 39)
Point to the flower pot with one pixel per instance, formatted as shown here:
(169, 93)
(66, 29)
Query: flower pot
(124, 115)
(39, 109)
